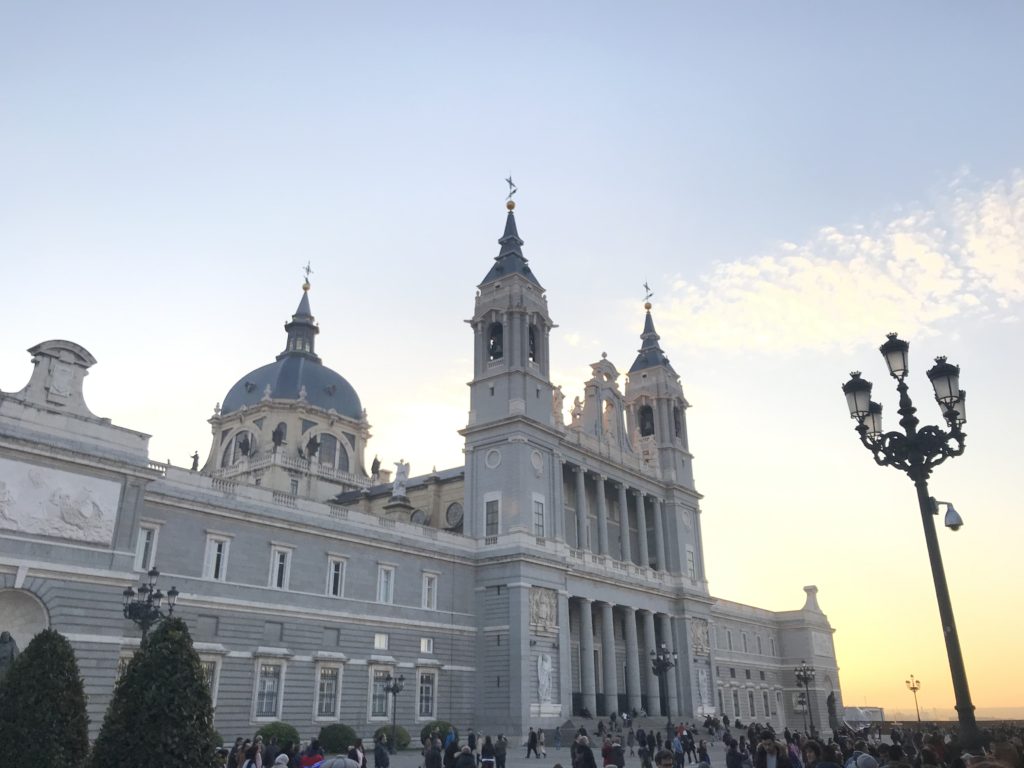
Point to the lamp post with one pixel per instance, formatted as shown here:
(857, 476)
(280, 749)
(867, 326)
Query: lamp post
(662, 660)
(392, 687)
(915, 685)
(143, 607)
(805, 676)
(801, 699)
(916, 452)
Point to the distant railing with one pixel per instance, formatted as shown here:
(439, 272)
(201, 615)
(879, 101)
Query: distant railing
(224, 486)
(157, 466)
(491, 540)
(284, 499)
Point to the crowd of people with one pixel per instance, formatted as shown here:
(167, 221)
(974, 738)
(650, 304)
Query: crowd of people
(750, 746)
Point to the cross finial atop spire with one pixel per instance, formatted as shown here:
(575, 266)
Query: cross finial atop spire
(512, 189)
(647, 295)
(309, 271)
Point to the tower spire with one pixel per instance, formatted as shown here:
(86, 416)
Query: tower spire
(302, 329)
(510, 259)
(650, 354)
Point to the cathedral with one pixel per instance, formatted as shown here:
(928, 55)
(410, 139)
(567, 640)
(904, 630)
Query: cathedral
(531, 586)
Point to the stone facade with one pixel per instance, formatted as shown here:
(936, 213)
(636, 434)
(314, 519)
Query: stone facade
(520, 589)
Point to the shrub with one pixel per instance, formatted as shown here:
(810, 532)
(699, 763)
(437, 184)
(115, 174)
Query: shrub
(401, 736)
(160, 715)
(336, 738)
(281, 731)
(42, 706)
(441, 726)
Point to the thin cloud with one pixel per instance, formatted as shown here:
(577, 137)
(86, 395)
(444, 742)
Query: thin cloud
(965, 255)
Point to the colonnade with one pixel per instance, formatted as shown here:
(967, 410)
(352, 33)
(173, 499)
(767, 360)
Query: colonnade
(632, 504)
(643, 632)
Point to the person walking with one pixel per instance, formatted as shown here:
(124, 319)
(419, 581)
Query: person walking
(531, 744)
(381, 758)
(487, 753)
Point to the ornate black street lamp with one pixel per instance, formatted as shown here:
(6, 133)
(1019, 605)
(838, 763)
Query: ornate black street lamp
(143, 607)
(392, 687)
(662, 661)
(805, 676)
(916, 451)
(915, 685)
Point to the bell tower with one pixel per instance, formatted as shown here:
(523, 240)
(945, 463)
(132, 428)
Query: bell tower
(511, 327)
(512, 476)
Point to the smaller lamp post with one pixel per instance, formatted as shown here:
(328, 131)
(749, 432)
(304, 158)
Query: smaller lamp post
(143, 607)
(805, 676)
(392, 687)
(915, 685)
(662, 661)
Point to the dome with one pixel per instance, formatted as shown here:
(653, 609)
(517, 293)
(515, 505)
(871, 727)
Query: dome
(295, 369)
(286, 377)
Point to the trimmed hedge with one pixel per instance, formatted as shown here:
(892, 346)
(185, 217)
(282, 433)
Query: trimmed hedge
(401, 736)
(336, 738)
(42, 706)
(283, 732)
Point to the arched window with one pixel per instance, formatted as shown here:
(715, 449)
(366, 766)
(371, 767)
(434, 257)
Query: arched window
(495, 342)
(646, 417)
(532, 351)
(677, 419)
(242, 444)
(332, 452)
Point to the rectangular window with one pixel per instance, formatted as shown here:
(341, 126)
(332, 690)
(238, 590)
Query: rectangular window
(762, 674)
(748, 673)
(750, 701)
(145, 548)
(538, 518)
(766, 707)
(216, 558)
(426, 645)
(691, 564)
(280, 565)
(735, 702)
(427, 686)
(759, 649)
(385, 584)
(491, 517)
(721, 704)
(728, 638)
(335, 576)
(268, 690)
(294, 487)
(327, 693)
(732, 671)
(430, 591)
(771, 641)
(210, 669)
(380, 641)
(744, 642)
(378, 697)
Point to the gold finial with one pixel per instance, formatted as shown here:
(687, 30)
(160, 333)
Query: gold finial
(647, 306)
(511, 205)
(309, 271)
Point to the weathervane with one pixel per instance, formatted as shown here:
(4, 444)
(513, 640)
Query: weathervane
(649, 292)
(511, 187)
(309, 271)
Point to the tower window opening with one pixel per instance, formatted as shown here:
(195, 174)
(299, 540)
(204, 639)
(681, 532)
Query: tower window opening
(677, 418)
(532, 351)
(495, 341)
(646, 418)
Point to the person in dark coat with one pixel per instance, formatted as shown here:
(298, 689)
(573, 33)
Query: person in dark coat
(531, 744)
(771, 754)
(432, 756)
(451, 751)
(465, 759)
(584, 754)
(381, 758)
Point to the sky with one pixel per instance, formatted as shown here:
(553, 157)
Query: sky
(793, 179)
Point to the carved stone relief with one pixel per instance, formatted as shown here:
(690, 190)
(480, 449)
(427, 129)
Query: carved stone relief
(543, 608)
(699, 637)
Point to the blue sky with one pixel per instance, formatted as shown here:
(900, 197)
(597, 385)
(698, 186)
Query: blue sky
(794, 180)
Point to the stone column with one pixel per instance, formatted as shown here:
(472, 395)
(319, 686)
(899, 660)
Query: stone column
(582, 518)
(632, 660)
(659, 536)
(627, 549)
(588, 684)
(602, 516)
(558, 503)
(653, 694)
(564, 656)
(611, 682)
(641, 529)
(670, 678)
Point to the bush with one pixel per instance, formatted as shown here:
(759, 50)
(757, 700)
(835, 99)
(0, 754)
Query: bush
(401, 736)
(42, 706)
(336, 738)
(160, 715)
(283, 732)
(441, 726)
